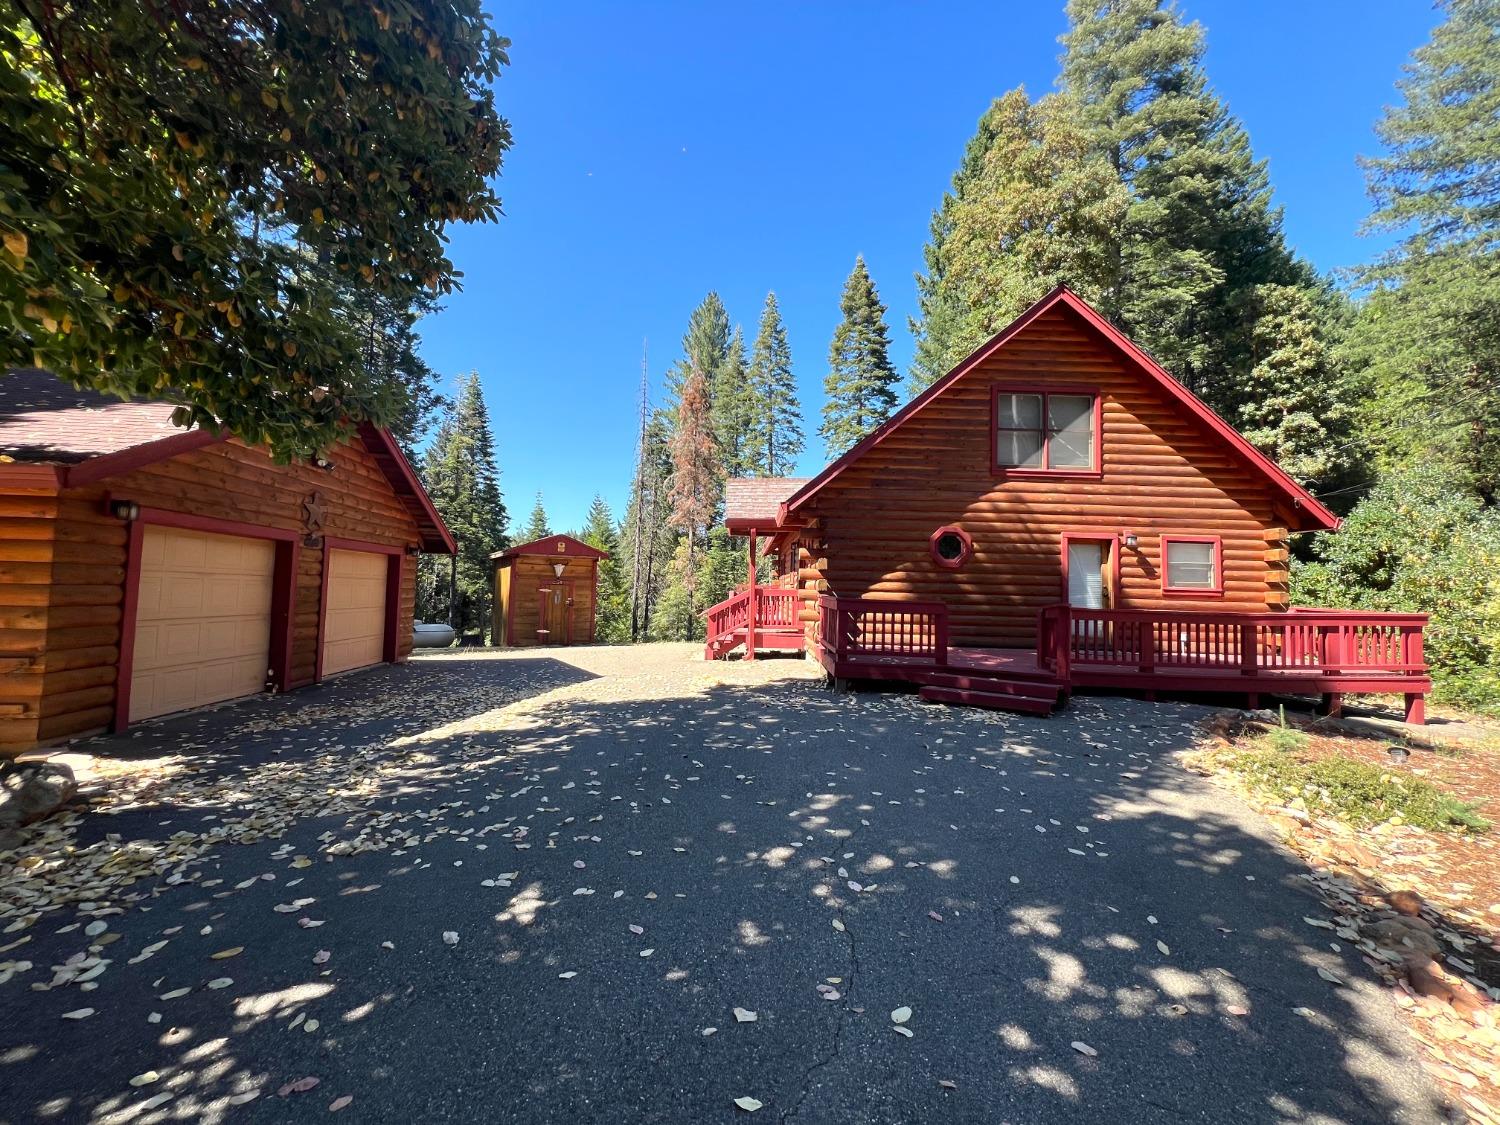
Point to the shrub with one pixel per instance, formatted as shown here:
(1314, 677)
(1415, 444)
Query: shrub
(1354, 791)
(1421, 542)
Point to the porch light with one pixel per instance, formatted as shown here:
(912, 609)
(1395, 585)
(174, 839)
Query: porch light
(126, 510)
(558, 567)
(1132, 541)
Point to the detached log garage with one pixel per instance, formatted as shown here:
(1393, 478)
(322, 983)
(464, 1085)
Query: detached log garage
(546, 592)
(145, 569)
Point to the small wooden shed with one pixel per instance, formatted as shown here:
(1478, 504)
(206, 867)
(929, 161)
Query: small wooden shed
(146, 569)
(545, 592)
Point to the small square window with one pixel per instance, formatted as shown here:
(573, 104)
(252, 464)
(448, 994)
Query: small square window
(1191, 564)
(1045, 432)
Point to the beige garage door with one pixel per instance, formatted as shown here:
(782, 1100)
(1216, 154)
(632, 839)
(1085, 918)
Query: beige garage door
(354, 628)
(203, 620)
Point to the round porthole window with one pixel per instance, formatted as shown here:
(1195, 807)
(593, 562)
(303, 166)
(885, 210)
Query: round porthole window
(951, 547)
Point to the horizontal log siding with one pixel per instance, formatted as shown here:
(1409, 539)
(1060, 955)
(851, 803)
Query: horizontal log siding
(62, 571)
(1163, 473)
(528, 574)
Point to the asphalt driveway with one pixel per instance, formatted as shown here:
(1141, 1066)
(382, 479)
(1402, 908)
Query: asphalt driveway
(624, 847)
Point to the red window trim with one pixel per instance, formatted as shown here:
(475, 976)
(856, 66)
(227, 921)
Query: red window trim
(395, 565)
(1020, 473)
(1214, 591)
(283, 593)
(964, 555)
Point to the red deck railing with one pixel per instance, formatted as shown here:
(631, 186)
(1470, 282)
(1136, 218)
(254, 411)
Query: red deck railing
(776, 607)
(869, 629)
(1326, 641)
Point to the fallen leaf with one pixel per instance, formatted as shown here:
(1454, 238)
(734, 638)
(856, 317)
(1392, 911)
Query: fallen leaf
(145, 1079)
(220, 982)
(906, 1031)
(78, 1014)
(339, 1103)
(321, 957)
(567, 976)
(225, 954)
(450, 937)
(1331, 978)
(241, 1099)
(1166, 950)
(744, 1015)
(947, 1084)
(901, 1015)
(300, 1086)
(837, 925)
(647, 952)
(749, 1105)
(1083, 1048)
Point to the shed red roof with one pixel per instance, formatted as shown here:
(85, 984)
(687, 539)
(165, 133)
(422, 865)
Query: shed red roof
(755, 500)
(46, 421)
(552, 546)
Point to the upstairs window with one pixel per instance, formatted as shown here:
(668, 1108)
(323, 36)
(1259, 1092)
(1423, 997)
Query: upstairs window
(1041, 431)
(1191, 566)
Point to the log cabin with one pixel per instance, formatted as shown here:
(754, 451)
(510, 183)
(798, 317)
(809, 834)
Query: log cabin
(1056, 512)
(146, 569)
(545, 593)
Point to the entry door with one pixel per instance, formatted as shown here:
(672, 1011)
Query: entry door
(203, 620)
(1088, 583)
(556, 613)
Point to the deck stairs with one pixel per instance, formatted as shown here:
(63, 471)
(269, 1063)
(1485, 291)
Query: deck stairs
(1024, 692)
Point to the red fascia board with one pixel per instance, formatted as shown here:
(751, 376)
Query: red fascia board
(1321, 517)
(403, 478)
(139, 456)
(577, 548)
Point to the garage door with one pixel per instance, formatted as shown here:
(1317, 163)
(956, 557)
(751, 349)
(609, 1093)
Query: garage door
(203, 620)
(354, 626)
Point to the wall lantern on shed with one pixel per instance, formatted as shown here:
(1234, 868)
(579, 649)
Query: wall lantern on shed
(126, 510)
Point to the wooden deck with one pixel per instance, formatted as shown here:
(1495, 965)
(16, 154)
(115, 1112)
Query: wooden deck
(1304, 652)
(755, 617)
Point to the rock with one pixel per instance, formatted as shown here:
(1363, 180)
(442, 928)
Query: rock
(31, 790)
(1405, 902)
(1355, 855)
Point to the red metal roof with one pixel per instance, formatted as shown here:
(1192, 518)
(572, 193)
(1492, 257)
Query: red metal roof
(755, 500)
(1304, 504)
(552, 546)
(45, 420)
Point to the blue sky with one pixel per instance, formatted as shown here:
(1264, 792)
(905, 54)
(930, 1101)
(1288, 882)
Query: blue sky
(666, 149)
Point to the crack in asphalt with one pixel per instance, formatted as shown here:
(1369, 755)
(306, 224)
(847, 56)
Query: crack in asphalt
(844, 1006)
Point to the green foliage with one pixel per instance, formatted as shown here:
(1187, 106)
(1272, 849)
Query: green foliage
(861, 380)
(537, 526)
(1291, 407)
(1353, 790)
(386, 329)
(1038, 208)
(188, 191)
(612, 621)
(463, 481)
(649, 538)
(775, 423)
(1421, 542)
(1425, 350)
(734, 409)
(1199, 233)
(725, 566)
(1283, 739)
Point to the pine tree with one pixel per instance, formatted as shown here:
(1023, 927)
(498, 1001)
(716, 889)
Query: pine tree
(612, 614)
(1293, 410)
(461, 478)
(1426, 346)
(733, 408)
(537, 526)
(1036, 209)
(386, 331)
(696, 486)
(775, 430)
(1199, 233)
(860, 385)
(653, 540)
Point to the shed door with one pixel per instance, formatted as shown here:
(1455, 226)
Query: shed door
(203, 620)
(354, 621)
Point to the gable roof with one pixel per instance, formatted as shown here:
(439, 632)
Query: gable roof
(552, 546)
(87, 436)
(755, 501)
(1313, 515)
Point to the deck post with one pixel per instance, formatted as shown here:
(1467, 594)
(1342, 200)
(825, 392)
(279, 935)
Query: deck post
(750, 609)
(1247, 650)
(1333, 704)
(1416, 708)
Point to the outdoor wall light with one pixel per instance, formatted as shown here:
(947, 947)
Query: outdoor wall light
(1132, 541)
(126, 510)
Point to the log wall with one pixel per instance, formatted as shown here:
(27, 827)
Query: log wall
(62, 571)
(528, 573)
(1163, 473)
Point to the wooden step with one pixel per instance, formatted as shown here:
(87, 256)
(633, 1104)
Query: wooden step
(990, 700)
(994, 684)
